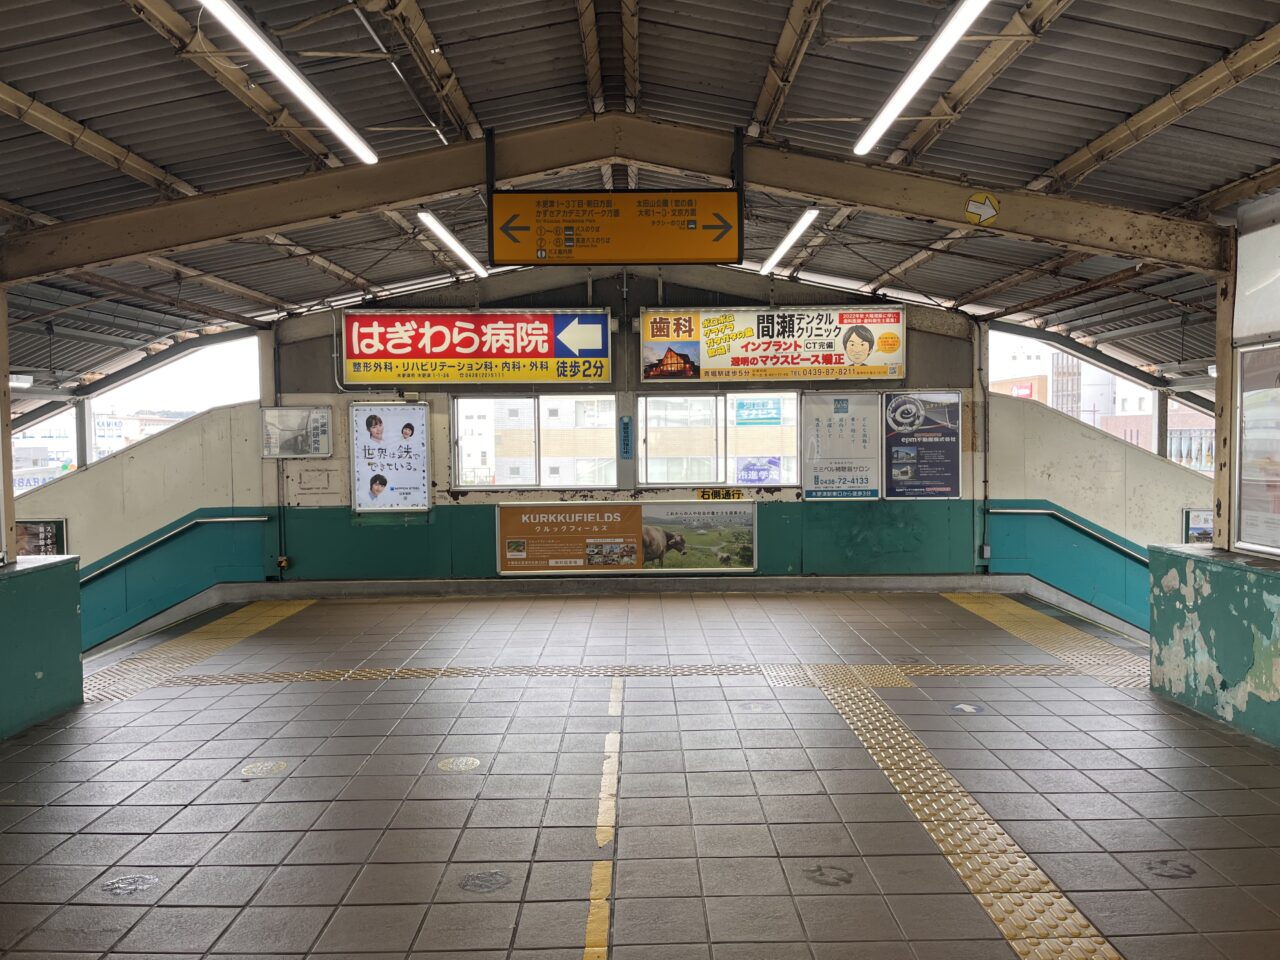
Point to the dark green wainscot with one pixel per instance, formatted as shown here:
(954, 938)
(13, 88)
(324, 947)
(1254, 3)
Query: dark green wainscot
(1215, 635)
(40, 673)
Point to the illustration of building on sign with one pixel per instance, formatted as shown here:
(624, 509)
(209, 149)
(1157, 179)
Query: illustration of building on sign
(672, 364)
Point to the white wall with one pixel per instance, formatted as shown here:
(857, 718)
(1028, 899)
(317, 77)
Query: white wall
(210, 460)
(1038, 453)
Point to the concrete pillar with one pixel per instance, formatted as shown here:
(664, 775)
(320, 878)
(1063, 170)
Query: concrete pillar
(8, 533)
(1225, 410)
(84, 433)
(1162, 423)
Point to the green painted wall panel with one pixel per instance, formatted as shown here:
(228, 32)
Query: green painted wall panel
(1215, 635)
(780, 538)
(889, 537)
(40, 673)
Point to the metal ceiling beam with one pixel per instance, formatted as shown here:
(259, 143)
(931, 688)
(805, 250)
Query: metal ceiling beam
(1146, 329)
(142, 293)
(793, 42)
(1184, 366)
(630, 10)
(163, 264)
(590, 39)
(1159, 296)
(1022, 30)
(406, 18)
(1232, 70)
(185, 38)
(1049, 267)
(1097, 358)
(1118, 278)
(51, 302)
(1229, 194)
(612, 137)
(1185, 385)
(919, 258)
(811, 249)
(89, 336)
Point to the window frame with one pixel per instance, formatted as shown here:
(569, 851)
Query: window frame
(1237, 429)
(455, 464)
(721, 427)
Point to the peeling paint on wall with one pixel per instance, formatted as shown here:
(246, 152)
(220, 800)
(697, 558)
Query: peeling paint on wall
(1215, 632)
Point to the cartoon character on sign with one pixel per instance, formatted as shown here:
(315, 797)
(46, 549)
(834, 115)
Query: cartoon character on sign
(859, 344)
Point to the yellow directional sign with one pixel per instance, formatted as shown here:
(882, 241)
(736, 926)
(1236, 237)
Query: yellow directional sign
(982, 209)
(615, 227)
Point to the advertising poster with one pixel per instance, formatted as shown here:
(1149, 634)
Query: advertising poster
(841, 438)
(921, 446)
(289, 432)
(394, 347)
(613, 538)
(41, 538)
(1259, 500)
(1197, 526)
(762, 343)
(390, 467)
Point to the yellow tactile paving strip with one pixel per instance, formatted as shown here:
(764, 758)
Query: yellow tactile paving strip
(1037, 918)
(153, 667)
(1091, 655)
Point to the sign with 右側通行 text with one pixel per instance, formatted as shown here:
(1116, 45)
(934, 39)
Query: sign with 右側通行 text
(480, 346)
(390, 461)
(600, 537)
(764, 343)
(841, 444)
(615, 227)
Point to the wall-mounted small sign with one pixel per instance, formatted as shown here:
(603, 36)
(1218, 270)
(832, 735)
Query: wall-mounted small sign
(719, 493)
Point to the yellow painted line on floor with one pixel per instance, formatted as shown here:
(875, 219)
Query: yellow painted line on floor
(1090, 654)
(1037, 919)
(165, 660)
(597, 941)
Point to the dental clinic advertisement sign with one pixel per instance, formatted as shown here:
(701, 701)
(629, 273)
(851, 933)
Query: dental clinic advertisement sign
(395, 347)
(841, 444)
(390, 468)
(922, 446)
(763, 343)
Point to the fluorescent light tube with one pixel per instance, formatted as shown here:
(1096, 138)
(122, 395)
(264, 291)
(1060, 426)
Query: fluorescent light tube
(449, 240)
(789, 241)
(266, 52)
(952, 31)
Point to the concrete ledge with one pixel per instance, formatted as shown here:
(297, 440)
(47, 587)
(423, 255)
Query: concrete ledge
(232, 593)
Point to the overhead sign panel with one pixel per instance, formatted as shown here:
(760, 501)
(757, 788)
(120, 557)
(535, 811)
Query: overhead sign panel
(615, 227)
(763, 343)
(460, 346)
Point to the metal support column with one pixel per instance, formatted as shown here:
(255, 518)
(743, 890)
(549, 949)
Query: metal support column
(1225, 410)
(1162, 423)
(8, 534)
(84, 433)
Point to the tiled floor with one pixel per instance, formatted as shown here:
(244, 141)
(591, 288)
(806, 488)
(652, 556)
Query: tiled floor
(718, 802)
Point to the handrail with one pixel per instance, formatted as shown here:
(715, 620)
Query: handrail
(1072, 522)
(168, 536)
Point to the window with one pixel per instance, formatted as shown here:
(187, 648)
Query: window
(559, 441)
(735, 439)
(1257, 490)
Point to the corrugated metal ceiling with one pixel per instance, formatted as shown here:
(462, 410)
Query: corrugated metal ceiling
(520, 63)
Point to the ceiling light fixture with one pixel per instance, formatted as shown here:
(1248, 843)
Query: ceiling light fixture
(266, 52)
(944, 41)
(449, 240)
(789, 241)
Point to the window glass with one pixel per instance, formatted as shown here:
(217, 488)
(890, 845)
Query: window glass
(496, 442)
(577, 443)
(1258, 493)
(557, 441)
(743, 439)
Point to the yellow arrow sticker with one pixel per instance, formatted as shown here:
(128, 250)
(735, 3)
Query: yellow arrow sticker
(982, 209)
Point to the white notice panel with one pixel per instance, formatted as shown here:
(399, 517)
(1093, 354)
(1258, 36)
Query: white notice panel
(842, 440)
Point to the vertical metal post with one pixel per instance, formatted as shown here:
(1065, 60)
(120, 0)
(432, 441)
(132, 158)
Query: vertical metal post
(1162, 423)
(8, 532)
(1225, 408)
(83, 434)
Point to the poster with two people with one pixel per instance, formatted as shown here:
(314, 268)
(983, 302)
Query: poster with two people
(389, 457)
